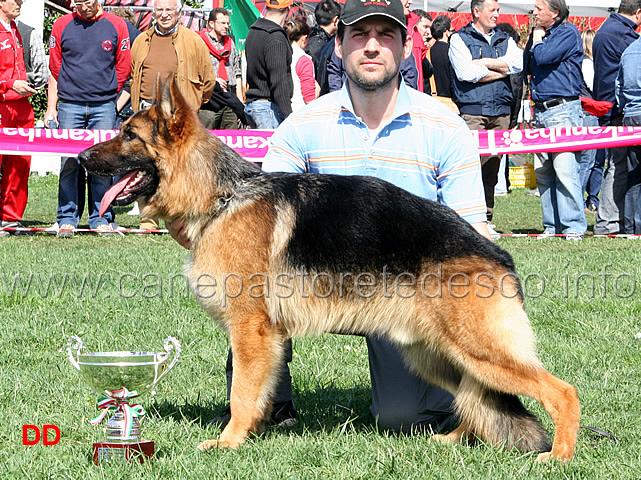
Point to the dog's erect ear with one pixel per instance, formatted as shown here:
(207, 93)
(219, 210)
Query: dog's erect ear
(165, 99)
(157, 89)
(171, 101)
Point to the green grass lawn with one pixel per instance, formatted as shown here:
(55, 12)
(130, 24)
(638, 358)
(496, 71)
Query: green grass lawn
(582, 298)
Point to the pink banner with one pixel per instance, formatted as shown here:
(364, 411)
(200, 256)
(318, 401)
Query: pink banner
(253, 144)
(560, 139)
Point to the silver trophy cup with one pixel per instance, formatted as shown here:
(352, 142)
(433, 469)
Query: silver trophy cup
(121, 377)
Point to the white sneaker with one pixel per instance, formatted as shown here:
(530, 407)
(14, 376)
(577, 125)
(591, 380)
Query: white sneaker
(573, 237)
(135, 210)
(545, 235)
(105, 230)
(53, 229)
(66, 231)
(493, 233)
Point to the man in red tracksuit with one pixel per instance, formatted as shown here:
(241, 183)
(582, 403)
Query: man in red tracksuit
(15, 111)
(419, 50)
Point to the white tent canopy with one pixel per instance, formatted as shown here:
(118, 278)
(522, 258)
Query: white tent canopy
(578, 8)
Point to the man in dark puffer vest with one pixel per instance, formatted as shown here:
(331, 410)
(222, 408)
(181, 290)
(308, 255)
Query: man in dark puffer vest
(482, 57)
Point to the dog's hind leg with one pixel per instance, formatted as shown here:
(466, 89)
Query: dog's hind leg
(500, 418)
(258, 349)
(500, 364)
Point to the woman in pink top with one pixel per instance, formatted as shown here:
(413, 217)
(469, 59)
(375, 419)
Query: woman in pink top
(305, 87)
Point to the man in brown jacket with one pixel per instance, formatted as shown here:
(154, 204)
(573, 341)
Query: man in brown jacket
(168, 48)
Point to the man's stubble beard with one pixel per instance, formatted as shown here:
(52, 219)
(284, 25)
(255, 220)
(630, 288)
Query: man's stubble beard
(369, 85)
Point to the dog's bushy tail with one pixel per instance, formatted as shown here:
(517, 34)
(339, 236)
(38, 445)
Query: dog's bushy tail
(499, 418)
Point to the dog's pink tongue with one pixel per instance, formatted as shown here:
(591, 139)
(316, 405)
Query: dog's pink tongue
(113, 192)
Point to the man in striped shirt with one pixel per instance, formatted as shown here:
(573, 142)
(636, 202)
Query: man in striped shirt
(376, 126)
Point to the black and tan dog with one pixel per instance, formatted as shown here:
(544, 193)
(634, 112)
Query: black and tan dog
(277, 255)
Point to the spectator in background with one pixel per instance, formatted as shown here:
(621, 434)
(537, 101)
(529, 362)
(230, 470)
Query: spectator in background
(128, 15)
(326, 14)
(321, 40)
(516, 79)
(35, 59)
(169, 49)
(226, 64)
(553, 57)
(628, 95)
(438, 55)
(419, 50)
(423, 26)
(15, 111)
(305, 87)
(516, 83)
(269, 61)
(123, 103)
(614, 36)
(90, 61)
(482, 58)
(588, 157)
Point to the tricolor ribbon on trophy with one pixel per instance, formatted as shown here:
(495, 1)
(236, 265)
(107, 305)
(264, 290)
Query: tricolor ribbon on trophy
(118, 400)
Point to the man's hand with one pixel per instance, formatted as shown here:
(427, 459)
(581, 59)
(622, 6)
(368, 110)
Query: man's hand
(21, 87)
(222, 83)
(493, 64)
(538, 34)
(51, 115)
(177, 231)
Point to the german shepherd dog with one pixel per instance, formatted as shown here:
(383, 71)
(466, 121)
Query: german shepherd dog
(277, 255)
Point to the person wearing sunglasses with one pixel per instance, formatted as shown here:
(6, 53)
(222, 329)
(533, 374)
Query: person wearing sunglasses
(219, 112)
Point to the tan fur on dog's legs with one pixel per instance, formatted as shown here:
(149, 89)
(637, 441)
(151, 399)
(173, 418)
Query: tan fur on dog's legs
(455, 436)
(257, 349)
(561, 401)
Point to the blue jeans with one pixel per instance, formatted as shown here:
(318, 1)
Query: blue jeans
(83, 115)
(588, 158)
(263, 114)
(632, 209)
(557, 174)
(610, 214)
(595, 179)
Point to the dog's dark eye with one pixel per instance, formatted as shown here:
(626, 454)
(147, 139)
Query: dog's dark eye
(130, 135)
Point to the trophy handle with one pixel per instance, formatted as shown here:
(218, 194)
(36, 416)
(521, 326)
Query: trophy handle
(171, 343)
(74, 344)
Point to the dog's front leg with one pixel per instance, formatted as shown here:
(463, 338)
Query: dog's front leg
(257, 349)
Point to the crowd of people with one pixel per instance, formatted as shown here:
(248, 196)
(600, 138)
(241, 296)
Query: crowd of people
(479, 72)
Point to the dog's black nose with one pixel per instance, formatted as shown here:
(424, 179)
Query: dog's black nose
(84, 156)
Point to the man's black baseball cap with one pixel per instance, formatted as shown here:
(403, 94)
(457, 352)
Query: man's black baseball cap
(355, 10)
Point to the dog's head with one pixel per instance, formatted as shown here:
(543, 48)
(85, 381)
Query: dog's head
(150, 153)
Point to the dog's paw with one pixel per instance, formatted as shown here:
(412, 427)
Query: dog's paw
(455, 436)
(545, 456)
(442, 439)
(209, 444)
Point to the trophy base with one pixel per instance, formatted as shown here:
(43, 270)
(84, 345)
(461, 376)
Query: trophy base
(122, 452)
